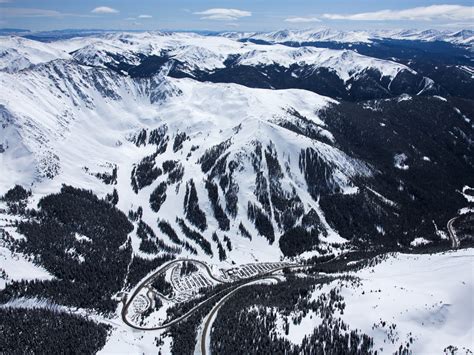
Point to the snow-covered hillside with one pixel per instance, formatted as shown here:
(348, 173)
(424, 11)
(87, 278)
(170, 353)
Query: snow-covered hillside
(427, 297)
(420, 303)
(74, 123)
(18, 53)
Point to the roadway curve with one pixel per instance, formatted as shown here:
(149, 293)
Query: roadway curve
(267, 275)
(219, 304)
(163, 269)
(452, 234)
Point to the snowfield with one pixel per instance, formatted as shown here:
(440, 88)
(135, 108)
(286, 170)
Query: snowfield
(428, 297)
(425, 298)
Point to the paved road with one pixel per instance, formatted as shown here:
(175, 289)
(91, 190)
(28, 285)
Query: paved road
(142, 284)
(162, 270)
(216, 308)
(230, 290)
(452, 234)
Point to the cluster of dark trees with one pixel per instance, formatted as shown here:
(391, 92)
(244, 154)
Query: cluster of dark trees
(140, 267)
(145, 172)
(262, 222)
(216, 161)
(140, 138)
(156, 137)
(87, 271)
(317, 172)
(220, 248)
(228, 243)
(167, 229)
(261, 191)
(219, 214)
(187, 268)
(41, 331)
(210, 156)
(421, 194)
(193, 212)
(16, 199)
(245, 233)
(179, 139)
(231, 197)
(150, 243)
(160, 284)
(16, 193)
(464, 227)
(184, 334)
(158, 197)
(108, 178)
(112, 198)
(174, 169)
(195, 236)
(159, 138)
(135, 215)
(169, 165)
(287, 206)
(298, 240)
(247, 323)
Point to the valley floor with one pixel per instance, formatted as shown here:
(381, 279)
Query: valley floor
(419, 302)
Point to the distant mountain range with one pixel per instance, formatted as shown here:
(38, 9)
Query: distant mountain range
(465, 37)
(462, 37)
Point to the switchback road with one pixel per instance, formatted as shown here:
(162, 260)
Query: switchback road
(127, 302)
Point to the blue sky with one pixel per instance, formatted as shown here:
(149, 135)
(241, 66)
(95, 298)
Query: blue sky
(242, 15)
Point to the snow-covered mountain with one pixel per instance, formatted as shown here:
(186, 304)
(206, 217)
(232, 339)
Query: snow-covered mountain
(75, 122)
(463, 37)
(337, 73)
(127, 110)
(204, 53)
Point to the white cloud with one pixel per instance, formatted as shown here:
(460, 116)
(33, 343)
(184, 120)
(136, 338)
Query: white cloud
(223, 14)
(425, 13)
(145, 16)
(302, 19)
(29, 12)
(104, 10)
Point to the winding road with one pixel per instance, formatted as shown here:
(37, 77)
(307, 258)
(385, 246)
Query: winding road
(143, 283)
(228, 292)
(209, 320)
(231, 289)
